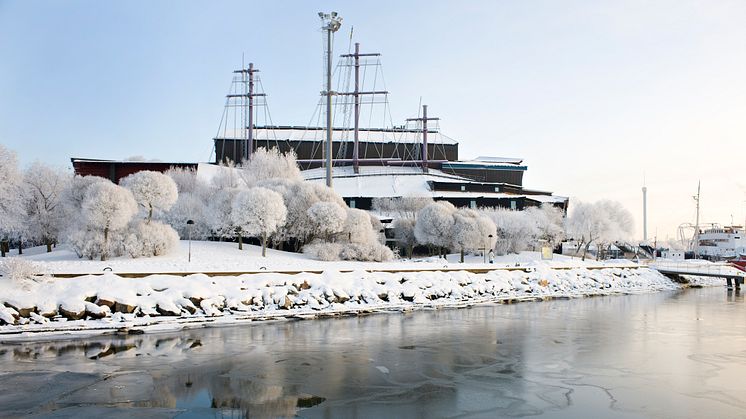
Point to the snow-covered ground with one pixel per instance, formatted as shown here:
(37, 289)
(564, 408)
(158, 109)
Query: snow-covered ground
(292, 286)
(225, 257)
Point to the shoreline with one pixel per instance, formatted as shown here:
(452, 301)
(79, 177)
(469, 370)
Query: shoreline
(109, 304)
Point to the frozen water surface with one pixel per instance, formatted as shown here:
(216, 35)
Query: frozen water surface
(669, 355)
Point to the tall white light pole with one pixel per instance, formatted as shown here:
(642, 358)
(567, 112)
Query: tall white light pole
(330, 23)
(645, 214)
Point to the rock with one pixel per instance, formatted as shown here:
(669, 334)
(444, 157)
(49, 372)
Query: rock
(104, 302)
(123, 308)
(49, 313)
(384, 296)
(544, 283)
(166, 312)
(190, 309)
(305, 285)
(196, 301)
(90, 299)
(287, 303)
(342, 296)
(248, 302)
(23, 311)
(72, 314)
(95, 311)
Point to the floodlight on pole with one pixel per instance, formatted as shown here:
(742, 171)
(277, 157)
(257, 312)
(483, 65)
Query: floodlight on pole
(331, 23)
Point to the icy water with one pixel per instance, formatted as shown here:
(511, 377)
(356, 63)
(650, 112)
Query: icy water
(670, 355)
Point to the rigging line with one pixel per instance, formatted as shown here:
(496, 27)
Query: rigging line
(370, 117)
(217, 134)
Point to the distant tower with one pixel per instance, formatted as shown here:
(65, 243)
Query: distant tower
(645, 213)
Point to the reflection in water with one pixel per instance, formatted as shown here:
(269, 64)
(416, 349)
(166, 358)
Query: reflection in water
(678, 354)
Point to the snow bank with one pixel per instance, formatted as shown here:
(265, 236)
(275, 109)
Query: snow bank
(111, 302)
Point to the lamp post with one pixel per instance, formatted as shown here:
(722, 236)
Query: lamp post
(190, 223)
(489, 239)
(331, 23)
(383, 233)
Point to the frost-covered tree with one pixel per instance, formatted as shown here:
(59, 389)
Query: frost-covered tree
(550, 224)
(189, 206)
(266, 164)
(107, 208)
(515, 230)
(471, 231)
(147, 239)
(404, 233)
(328, 218)
(601, 222)
(11, 202)
(434, 225)
(218, 214)
(299, 197)
(259, 212)
(187, 181)
(401, 207)
(153, 191)
(358, 227)
(43, 191)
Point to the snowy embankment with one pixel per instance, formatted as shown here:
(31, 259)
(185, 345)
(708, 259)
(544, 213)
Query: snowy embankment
(110, 302)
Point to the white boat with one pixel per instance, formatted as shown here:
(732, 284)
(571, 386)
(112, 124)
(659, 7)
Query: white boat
(721, 242)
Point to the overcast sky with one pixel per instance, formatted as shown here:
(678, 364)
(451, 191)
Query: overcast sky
(594, 95)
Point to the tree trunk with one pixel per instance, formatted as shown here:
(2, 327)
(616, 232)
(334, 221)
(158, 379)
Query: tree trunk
(105, 250)
(264, 244)
(462, 255)
(240, 242)
(49, 247)
(150, 213)
(20, 247)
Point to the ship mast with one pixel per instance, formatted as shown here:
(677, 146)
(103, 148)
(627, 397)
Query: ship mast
(424, 120)
(247, 98)
(356, 96)
(695, 238)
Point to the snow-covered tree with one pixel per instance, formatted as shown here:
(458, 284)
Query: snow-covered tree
(259, 212)
(218, 214)
(434, 225)
(11, 202)
(299, 197)
(550, 223)
(107, 208)
(471, 231)
(189, 206)
(150, 239)
(401, 207)
(153, 191)
(358, 227)
(601, 222)
(515, 229)
(267, 164)
(404, 233)
(328, 218)
(187, 181)
(43, 187)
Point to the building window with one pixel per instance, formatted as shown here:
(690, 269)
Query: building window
(473, 204)
(352, 203)
(463, 187)
(512, 205)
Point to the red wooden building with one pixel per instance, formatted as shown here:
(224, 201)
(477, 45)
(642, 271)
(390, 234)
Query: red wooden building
(117, 169)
